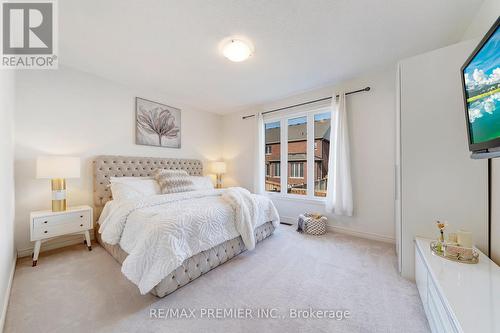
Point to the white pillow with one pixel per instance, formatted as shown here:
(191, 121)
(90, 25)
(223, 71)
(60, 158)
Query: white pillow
(123, 188)
(202, 183)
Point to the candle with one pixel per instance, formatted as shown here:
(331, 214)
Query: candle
(464, 238)
(452, 237)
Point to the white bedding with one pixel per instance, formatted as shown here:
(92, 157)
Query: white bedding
(161, 231)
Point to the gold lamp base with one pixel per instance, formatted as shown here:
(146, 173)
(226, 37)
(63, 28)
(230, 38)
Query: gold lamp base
(58, 195)
(219, 181)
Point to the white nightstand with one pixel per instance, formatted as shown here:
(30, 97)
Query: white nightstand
(45, 225)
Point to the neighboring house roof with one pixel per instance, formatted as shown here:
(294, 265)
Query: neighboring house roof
(298, 132)
(272, 135)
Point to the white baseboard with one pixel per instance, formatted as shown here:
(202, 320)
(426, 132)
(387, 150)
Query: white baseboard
(54, 244)
(347, 231)
(7, 295)
(361, 234)
(288, 220)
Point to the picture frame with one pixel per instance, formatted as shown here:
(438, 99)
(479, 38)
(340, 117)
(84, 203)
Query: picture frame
(157, 124)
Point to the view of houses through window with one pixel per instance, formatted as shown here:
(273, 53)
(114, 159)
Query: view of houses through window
(273, 156)
(321, 152)
(296, 157)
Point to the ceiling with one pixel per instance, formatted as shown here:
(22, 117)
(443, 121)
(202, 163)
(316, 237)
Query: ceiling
(172, 46)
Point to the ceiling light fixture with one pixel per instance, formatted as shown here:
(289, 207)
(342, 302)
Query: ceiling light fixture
(237, 50)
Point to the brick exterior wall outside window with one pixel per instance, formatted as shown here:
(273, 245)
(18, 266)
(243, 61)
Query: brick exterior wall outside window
(297, 154)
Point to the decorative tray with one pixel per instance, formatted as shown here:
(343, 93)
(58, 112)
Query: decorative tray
(435, 249)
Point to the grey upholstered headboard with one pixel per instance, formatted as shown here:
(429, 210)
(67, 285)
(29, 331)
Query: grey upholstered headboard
(125, 166)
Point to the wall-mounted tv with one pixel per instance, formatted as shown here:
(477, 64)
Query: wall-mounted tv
(481, 86)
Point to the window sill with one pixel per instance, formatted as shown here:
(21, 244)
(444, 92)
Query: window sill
(297, 198)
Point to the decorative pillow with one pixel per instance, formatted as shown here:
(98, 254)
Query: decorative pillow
(202, 183)
(123, 188)
(173, 181)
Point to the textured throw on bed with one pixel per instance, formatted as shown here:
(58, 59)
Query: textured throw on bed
(173, 181)
(162, 231)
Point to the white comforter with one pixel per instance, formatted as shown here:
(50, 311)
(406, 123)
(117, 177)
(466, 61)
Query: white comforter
(162, 231)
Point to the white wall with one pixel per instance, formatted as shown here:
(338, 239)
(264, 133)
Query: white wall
(439, 180)
(72, 113)
(7, 249)
(371, 124)
(483, 19)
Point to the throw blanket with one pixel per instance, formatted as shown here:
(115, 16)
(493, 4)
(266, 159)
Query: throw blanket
(246, 213)
(162, 231)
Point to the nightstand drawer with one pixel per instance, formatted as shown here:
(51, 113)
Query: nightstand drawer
(58, 230)
(56, 225)
(69, 218)
(46, 225)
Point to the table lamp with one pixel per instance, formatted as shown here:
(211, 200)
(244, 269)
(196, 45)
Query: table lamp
(219, 168)
(57, 169)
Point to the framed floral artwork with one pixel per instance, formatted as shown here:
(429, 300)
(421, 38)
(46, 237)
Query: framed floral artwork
(157, 124)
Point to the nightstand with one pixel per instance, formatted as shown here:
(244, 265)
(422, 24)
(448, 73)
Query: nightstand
(45, 225)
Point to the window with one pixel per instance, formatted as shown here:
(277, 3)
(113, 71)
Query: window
(297, 170)
(305, 154)
(273, 138)
(276, 169)
(322, 152)
(297, 155)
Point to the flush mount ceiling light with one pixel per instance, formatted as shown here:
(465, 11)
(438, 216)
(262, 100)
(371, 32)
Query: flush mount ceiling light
(237, 49)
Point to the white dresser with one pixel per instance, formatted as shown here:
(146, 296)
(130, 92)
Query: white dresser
(46, 225)
(457, 297)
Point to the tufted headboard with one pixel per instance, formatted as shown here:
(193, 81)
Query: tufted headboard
(125, 166)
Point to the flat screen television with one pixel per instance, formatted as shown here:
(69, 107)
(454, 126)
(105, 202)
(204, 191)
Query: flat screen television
(481, 90)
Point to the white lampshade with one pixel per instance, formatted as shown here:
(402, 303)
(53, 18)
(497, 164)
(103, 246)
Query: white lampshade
(219, 167)
(52, 167)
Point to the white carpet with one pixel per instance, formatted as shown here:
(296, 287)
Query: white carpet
(73, 290)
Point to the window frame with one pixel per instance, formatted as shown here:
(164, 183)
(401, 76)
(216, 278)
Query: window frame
(270, 150)
(299, 174)
(283, 118)
(276, 170)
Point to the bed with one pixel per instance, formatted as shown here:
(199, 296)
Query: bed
(192, 267)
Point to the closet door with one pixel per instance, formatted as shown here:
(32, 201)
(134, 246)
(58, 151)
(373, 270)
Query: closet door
(495, 211)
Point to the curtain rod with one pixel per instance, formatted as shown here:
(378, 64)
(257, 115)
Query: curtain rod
(310, 102)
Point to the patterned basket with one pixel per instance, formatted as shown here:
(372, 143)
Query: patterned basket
(313, 225)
